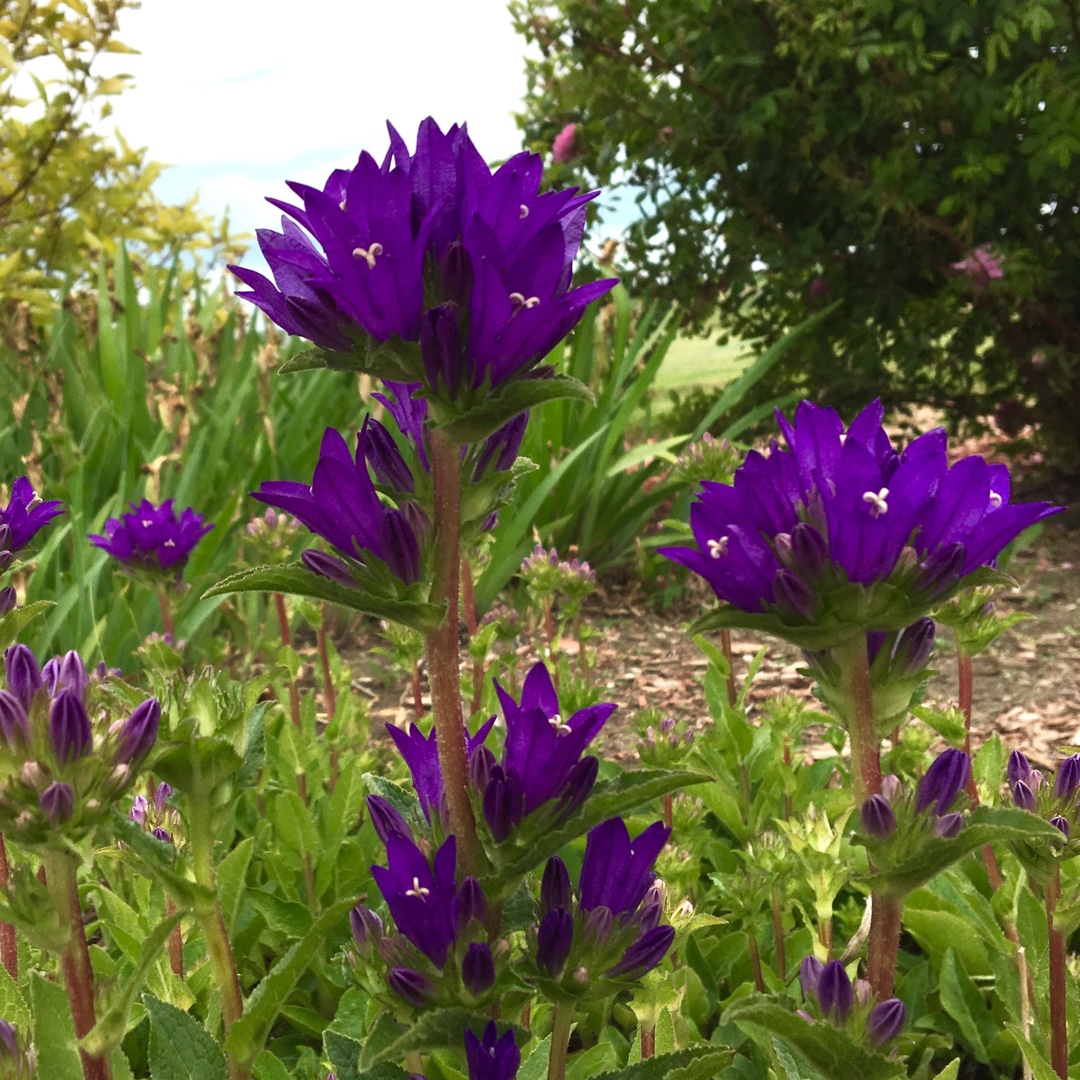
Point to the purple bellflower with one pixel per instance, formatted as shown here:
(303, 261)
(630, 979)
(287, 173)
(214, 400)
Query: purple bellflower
(835, 507)
(492, 1058)
(24, 515)
(502, 254)
(153, 538)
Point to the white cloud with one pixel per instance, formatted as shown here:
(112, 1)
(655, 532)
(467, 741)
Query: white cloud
(240, 95)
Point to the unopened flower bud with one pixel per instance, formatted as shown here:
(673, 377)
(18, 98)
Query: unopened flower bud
(481, 762)
(69, 727)
(57, 802)
(645, 953)
(579, 782)
(555, 886)
(14, 725)
(877, 816)
(32, 774)
(944, 780)
(138, 734)
(913, 649)
(598, 926)
(1068, 777)
(1061, 824)
(161, 796)
(386, 819)
(384, 457)
(412, 987)
(834, 991)
(1023, 796)
(890, 787)
(553, 941)
(949, 825)
(808, 551)
(319, 562)
(367, 928)
(478, 968)
(504, 803)
(67, 672)
(138, 810)
(23, 674)
(160, 834)
(8, 599)
(885, 1021)
(810, 975)
(1036, 779)
(469, 904)
(793, 596)
(1018, 768)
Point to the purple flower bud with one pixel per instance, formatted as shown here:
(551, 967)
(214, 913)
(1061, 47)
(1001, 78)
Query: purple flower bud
(137, 736)
(400, 547)
(808, 552)
(456, 278)
(440, 347)
(878, 819)
(579, 782)
(366, 926)
(5, 537)
(14, 725)
(913, 648)
(555, 886)
(944, 780)
(319, 562)
(160, 834)
(57, 802)
(8, 599)
(478, 968)
(161, 796)
(645, 953)
(863, 992)
(23, 675)
(469, 903)
(553, 941)
(810, 975)
(890, 787)
(834, 991)
(949, 825)
(386, 820)
(1019, 768)
(649, 914)
(504, 803)
(667, 724)
(67, 672)
(481, 762)
(6, 559)
(688, 738)
(69, 728)
(1061, 824)
(137, 813)
(941, 571)
(417, 518)
(598, 926)
(1023, 796)
(805, 1015)
(1068, 777)
(793, 596)
(384, 457)
(1035, 780)
(9, 1038)
(885, 1021)
(412, 987)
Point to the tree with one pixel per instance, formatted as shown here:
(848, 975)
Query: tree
(67, 193)
(915, 159)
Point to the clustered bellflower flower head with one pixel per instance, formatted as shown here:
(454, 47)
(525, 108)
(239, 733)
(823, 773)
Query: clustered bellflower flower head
(153, 539)
(428, 266)
(1054, 799)
(828, 990)
(613, 931)
(63, 760)
(492, 1058)
(23, 517)
(836, 533)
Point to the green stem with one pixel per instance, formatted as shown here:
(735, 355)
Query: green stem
(286, 641)
(854, 665)
(212, 924)
(60, 871)
(561, 1021)
(166, 612)
(1059, 1039)
(441, 646)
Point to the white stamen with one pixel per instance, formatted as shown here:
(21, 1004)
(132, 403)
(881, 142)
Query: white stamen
(524, 213)
(342, 204)
(843, 438)
(369, 254)
(517, 299)
(878, 501)
(717, 547)
(560, 728)
(35, 500)
(531, 302)
(169, 543)
(417, 889)
(995, 499)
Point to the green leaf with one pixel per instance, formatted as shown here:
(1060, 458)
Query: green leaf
(830, 1051)
(393, 359)
(180, 1047)
(509, 400)
(16, 620)
(297, 580)
(254, 746)
(109, 1031)
(54, 1032)
(231, 874)
(697, 1063)
(389, 1040)
(270, 1067)
(950, 1072)
(343, 1053)
(158, 860)
(535, 1066)
(531, 847)
(404, 802)
(13, 1007)
(248, 1035)
(1041, 1069)
(961, 999)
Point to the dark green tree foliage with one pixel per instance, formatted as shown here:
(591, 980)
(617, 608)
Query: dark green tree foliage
(785, 153)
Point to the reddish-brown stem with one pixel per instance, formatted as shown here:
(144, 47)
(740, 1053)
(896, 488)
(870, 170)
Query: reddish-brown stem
(166, 613)
(725, 648)
(286, 641)
(9, 946)
(176, 943)
(583, 653)
(648, 1042)
(755, 963)
(1059, 1040)
(549, 631)
(884, 944)
(329, 695)
(441, 646)
(668, 809)
(778, 934)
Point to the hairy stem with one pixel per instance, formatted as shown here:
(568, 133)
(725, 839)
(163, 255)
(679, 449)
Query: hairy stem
(441, 646)
(1059, 1040)
(9, 945)
(778, 933)
(286, 641)
(166, 612)
(725, 648)
(884, 943)
(561, 1021)
(755, 962)
(329, 696)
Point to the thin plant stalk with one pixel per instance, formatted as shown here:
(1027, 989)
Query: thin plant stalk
(778, 933)
(755, 962)
(166, 612)
(668, 809)
(60, 875)
(1059, 1040)
(561, 1021)
(9, 945)
(176, 943)
(441, 646)
(329, 694)
(549, 631)
(725, 648)
(648, 1042)
(286, 641)
(417, 691)
(1025, 1004)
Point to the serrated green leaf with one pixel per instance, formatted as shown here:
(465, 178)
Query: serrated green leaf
(832, 1052)
(13, 1007)
(394, 359)
(404, 802)
(950, 1072)
(248, 1035)
(180, 1047)
(696, 1063)
(54, 1032)
(961, 999)
(254, 746)
(510, 400)
(295, 579)
(270, 1067)
(535, 1066)
(531, 847)
(1041, 1069)
(231, 874)
(391, 1041)
(16, 620)
(343, 1053)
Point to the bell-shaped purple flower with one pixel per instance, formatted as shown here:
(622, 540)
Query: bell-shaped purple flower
(944, 780)
(67, 672)
(834, 991)
(616, 872)
(69, 728)
(810, 975)
(949, 825)
(554, 939)
(23, 675)
(25, 514)
(14, 725)
(57, 802)
(645, 953)
(555, 886)
(139, 733)
(366, 927)
(386, 820)
(878, 819)
(1018, 768)
(412, 987)
(503, 803)
(153, 537)
(885, 1021)
(1067, 779)
(478, 968)
(492, 1058)
(1024, 797)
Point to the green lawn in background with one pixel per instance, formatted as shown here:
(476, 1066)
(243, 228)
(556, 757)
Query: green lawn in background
(699, 361)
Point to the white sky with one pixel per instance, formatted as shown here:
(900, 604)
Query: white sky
(241, 95)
